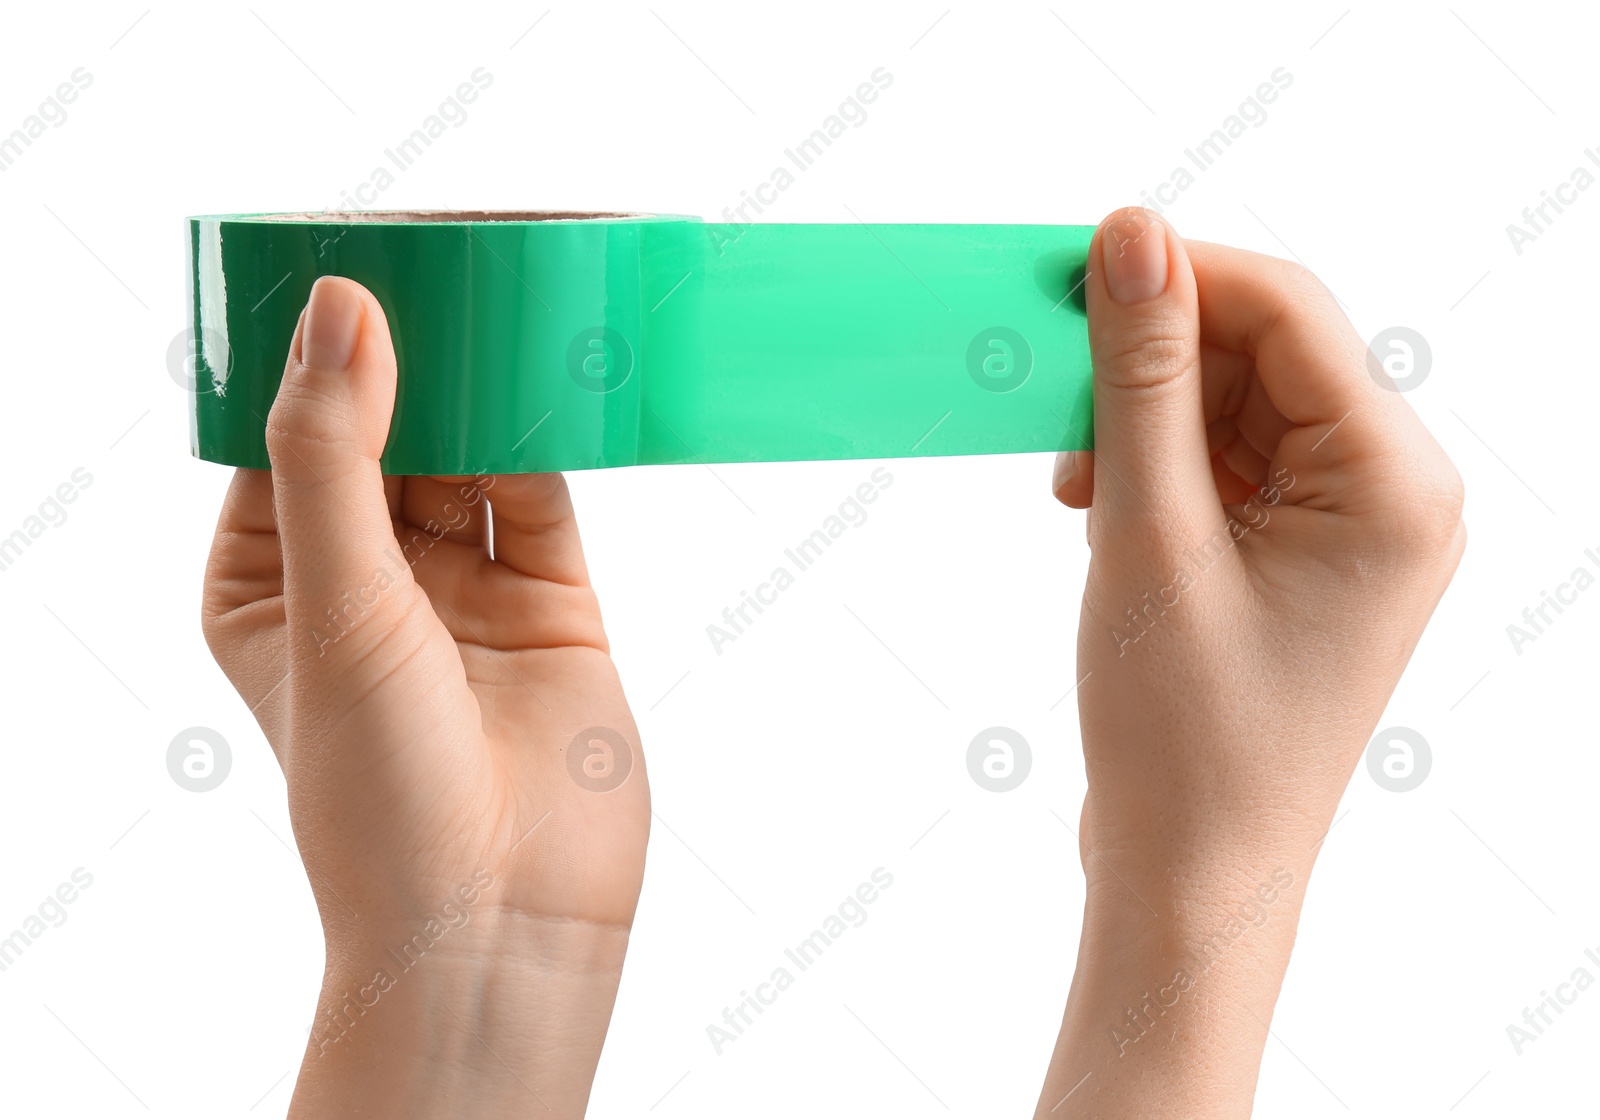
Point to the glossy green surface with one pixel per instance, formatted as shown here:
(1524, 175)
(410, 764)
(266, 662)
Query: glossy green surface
(569, 344)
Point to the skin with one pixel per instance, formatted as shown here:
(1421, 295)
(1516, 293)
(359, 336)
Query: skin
(1279, 525)
(424, 738)
(1234, 405)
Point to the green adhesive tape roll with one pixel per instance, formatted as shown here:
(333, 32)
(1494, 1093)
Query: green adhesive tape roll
(554, 341)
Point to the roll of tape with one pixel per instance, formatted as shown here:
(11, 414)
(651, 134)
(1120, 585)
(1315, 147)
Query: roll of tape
(555, 341)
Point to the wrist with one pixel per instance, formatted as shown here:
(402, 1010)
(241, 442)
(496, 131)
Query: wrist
(1232, 930)
(1176, 979)
(502, 1016)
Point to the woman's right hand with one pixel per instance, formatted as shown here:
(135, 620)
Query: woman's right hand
(1270, 530)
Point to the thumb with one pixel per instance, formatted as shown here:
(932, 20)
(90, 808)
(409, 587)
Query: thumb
(1151, 459)
(325, 433)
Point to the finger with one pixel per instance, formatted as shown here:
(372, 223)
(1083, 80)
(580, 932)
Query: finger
(1308, 357)
(394, 486)
(1339, 436)
(242, 604)
(1236, 482)
(245, 566)
(1073, 480)
(536, 529)
(534, 593)
(325, 434)
(1235, 454)
(1258, 419)
(1144, 336)
(491, 605)
(446, 508)
(1226, 378)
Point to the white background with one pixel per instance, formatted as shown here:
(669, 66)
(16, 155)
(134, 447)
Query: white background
(806, 755)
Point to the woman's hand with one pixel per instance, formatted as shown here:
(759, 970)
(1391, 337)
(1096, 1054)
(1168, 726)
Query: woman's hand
(464, 776)
(1270, 530)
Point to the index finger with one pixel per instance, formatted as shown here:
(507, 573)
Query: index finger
(1308, 357)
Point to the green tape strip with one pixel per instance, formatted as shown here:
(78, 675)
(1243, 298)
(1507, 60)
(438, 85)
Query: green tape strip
(531, 342)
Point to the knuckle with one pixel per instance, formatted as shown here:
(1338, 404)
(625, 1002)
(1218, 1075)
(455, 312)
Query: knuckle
(219, 628)
(1146, 541)
(305, 421)
(1427, 525)
(212, 630)
(1296, 278)
(1299, 291)
(546, 488)
(1147, 359)
(1446, 502)
(1452, 493)
(1298, 285)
